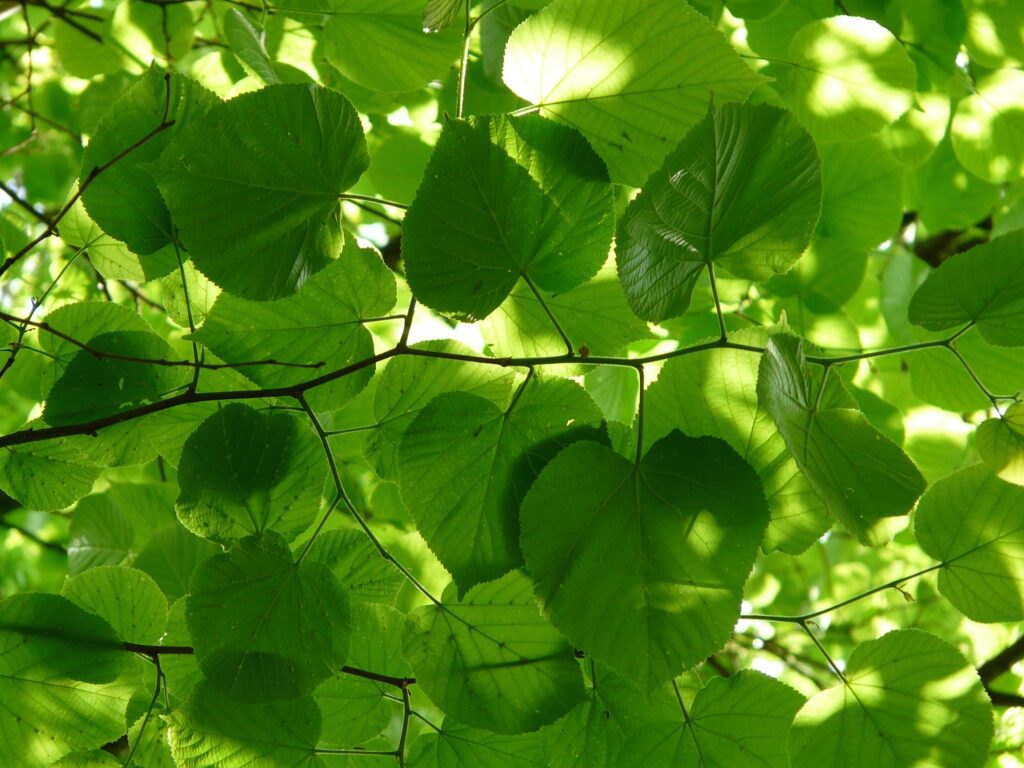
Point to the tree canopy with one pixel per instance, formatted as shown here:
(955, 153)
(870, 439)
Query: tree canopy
(511, 383)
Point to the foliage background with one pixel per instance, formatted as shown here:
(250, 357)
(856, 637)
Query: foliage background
(309, 395)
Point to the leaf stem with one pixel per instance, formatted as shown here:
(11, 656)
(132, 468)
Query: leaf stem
(342, 495)
(551, 316)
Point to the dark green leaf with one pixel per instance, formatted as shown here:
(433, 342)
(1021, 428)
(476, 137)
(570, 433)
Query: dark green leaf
(243, 612)
(501, 201)
(124, 199)
(244, 472)
(742, 190)
(253, 184)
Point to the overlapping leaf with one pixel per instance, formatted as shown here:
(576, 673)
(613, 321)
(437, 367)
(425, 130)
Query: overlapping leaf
(490, 660)
(320, 327)
(466, 466)
(673, 537)
(501, 201)
(739, 720)
(263, 626)
(128, 599)
(632, 77)
(742, 190)
(124, 199)
(846, 77)
(211, 729)
(1000, 443)
(861, 475)
(973, 523)
(253, 184)
(410, 382)
(908, 698)
(984, 286)
(715, 393)
(244, 472)
(63, 684)
(385, 45)
(120, 370)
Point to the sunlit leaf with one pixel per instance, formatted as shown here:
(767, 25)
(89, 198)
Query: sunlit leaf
(632, 77)
(861, 475)
(973, 523)
(907, 697)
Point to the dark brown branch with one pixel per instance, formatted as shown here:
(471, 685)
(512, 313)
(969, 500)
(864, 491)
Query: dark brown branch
(1000, 664)
(99, 353)
(51, 545)
(98, 170)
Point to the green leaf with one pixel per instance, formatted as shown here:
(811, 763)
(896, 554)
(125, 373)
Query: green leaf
(171, 556)
(946, 195)
(126, 598)
(94, 758)
(1000, 443)
(124, 375)
(594, 316)
(673, 537)
(410, 382)
(491, 661)
(124, 199)
(385, 45)
(503, 200)
(62, 684)
(353, 708)
(320, 327)
(243, 612)
(47, 475)
(739, 720)
(861, 475)
(863, 202)
(360, 569)
(212, 729)
(466, 465)
(441, 14)
(253, 184)
(983, 286)
(99, 535)
(846, 77)
(973, 523)
(587, 737)
(246, 41)
(82, 321)
(742, 190)
(909, 698)
(244, 472)
(456, 746)
(632, 77)
(714, 393)
(988, 127)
